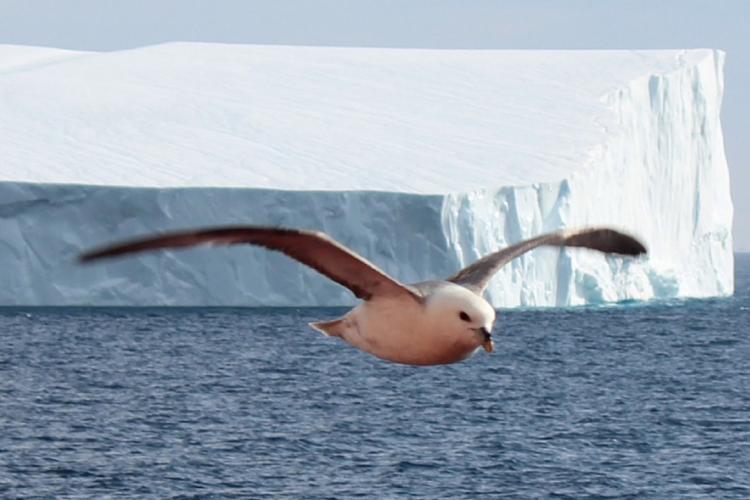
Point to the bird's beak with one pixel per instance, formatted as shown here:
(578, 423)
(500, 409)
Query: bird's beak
(487, 342)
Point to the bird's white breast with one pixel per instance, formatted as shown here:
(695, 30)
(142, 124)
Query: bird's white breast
(403, 332)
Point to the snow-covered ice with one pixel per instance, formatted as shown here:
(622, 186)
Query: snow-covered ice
(421, 160)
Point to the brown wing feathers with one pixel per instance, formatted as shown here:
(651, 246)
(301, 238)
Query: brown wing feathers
(364, 279)
(476, 276)
(314, 249)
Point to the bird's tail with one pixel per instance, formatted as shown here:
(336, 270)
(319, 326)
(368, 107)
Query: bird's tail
(333, 328)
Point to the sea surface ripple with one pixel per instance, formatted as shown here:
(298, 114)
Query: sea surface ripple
(629, 401)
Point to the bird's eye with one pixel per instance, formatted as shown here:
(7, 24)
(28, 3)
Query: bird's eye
(464, 316)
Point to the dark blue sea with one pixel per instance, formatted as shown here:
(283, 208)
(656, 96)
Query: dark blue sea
(629, 401)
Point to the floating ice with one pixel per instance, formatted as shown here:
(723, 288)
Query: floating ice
(421, 160)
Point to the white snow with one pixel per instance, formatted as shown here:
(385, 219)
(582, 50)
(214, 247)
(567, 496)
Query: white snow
(422, 160)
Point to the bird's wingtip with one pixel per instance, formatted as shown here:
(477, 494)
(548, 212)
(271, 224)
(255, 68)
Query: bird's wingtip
(92, 255)
(637, 248)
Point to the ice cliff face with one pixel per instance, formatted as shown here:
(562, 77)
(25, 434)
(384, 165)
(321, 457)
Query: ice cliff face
(422, 161)
(661, 173)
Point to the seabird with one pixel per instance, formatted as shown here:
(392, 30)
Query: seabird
(428, 323)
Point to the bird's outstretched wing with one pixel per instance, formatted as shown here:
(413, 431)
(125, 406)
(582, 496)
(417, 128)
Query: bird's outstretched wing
(476, 276)
(312, 248)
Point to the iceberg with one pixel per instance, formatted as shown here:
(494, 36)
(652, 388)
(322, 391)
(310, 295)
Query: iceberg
(420, 160)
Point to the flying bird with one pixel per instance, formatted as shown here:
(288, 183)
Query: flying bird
(428, 323)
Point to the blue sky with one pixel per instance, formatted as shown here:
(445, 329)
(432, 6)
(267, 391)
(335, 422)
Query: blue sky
(518, 24)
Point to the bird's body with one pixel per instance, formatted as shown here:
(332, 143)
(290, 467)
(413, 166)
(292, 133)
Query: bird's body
(414, 332)
(429, 323)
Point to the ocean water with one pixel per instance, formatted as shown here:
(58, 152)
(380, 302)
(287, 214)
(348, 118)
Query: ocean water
(630, 401)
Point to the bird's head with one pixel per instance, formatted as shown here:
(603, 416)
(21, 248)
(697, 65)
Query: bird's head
(456, 309)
